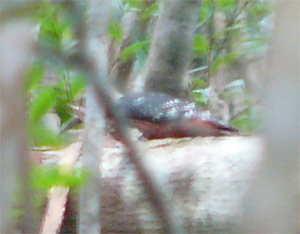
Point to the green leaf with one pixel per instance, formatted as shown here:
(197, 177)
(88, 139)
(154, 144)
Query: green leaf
(54, 21)
(224, 59)
(246, 122)
(226, 4)
(150, 10)
(200, 43)
(78, 85)
(62, 107)
(35, 74)
(198, 83)
(234, 27)
(65, 93)
(254, 45)
(47, 177)
(40, 136)
(51, 34)
(261, 10)
(131, 50)
(115, 30)
(201, 96)
(41, 104)
(135, 4)
(205, 12)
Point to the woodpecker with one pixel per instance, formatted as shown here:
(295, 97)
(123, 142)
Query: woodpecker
(159, 115)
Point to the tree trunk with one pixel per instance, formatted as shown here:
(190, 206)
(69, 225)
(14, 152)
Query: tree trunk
(96, 44)
(273, 202)
(17, 41)
(170, 53)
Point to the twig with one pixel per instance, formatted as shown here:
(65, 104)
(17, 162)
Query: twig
(83, 61)
(57, 196)
(199, 69)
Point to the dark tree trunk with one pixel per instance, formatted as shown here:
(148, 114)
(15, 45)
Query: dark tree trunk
(273, 202)
(17, 44)
(169, 58)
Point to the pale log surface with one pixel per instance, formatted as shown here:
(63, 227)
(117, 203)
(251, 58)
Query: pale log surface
(205, 179)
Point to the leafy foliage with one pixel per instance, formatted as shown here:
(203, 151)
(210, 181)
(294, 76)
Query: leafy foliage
(132, 50)
(54, 26)
(115, 30)
(51, 86)
(228, 32)
(35, 74)
(150, 11)
(47, 177)
(44, 178)
(200, 44)
(227, 27)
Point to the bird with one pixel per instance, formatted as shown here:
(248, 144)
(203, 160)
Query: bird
(159, 115)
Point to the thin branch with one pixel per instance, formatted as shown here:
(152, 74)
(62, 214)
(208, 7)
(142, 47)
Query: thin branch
(199, 69)
(57, 196)
(211, 36)
(83, 61)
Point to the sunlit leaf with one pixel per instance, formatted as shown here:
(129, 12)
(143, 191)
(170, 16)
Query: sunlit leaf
(62, 107)
(115, 30)
(246, 122)
(201, 96)
(150, 10)
(226, 4)
(131, 50)
(224, 59)
(50, 34)
(205, 12)
(198, 83)
(200, 43)
(41, 104)
(254, 45)
(136, 4)
(41, 136)
(261, 10)
(234, 27)
(46, 177)
(35, 74)
(78, 84)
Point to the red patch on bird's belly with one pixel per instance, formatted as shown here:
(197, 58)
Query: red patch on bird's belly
(152, 130)
(178, 129)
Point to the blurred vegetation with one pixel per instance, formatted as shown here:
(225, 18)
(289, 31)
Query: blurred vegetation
(46, 177)
(228, 31)
(51, 86)
(230, 34)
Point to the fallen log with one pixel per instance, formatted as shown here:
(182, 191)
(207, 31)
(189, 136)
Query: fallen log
(204, 180)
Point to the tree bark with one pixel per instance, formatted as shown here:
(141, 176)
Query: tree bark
(170, 53)
(96, 45)
(17, 41)
(120, 72)
(272, 205)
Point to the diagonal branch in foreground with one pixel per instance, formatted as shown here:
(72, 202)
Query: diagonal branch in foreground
(86, 63)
